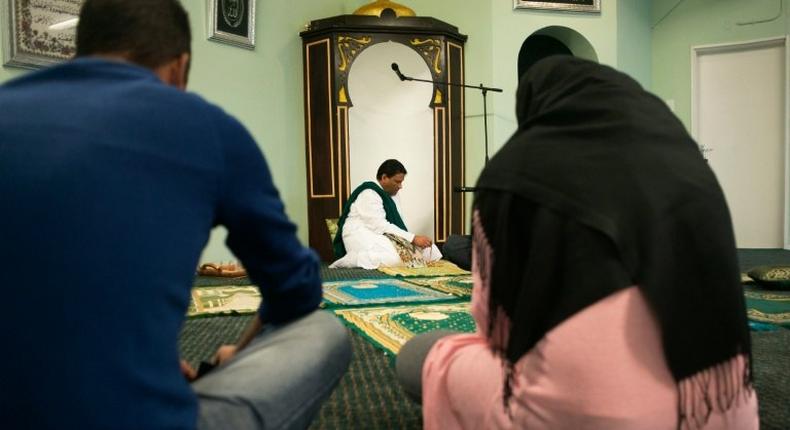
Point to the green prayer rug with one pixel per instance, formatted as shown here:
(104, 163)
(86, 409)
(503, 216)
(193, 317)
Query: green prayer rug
(390, 327)
(379, 291)
(224, 300)
(767, 306)
(460, 286)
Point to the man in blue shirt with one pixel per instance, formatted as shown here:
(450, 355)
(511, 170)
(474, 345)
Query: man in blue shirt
(111, 177)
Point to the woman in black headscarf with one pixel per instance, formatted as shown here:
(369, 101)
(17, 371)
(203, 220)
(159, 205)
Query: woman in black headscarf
(607, 291)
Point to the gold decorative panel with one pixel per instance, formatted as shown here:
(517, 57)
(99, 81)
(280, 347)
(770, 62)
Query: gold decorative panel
(348, 47)
(431, 49)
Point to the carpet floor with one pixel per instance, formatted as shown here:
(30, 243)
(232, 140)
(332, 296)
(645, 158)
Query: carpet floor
(369, 396)
(750, 258)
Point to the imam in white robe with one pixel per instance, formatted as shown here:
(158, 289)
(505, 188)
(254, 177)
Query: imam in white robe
(363, 235)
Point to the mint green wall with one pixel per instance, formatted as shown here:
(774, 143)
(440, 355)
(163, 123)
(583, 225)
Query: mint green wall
(7, 73)
(634, 55)
(263, 88)
(703, 22)
(509, 30)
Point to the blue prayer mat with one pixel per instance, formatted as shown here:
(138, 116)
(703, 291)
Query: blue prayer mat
(379, 291)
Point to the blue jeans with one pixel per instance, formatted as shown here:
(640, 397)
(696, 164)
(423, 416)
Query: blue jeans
(279, 380)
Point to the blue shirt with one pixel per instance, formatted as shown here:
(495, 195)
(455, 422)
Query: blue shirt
(110, 182)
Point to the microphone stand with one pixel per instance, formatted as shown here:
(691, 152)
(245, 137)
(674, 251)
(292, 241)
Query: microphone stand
(483, 90)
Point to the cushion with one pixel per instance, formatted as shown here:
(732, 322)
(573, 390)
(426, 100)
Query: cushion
(773, 277)
(331, 225)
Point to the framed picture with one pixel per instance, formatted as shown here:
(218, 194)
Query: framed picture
(563, 5)
(232, 21)
(38, 33)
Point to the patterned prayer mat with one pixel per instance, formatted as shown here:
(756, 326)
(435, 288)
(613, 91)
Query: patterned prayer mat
(768, 306)
(437, 268)
(390, 327)
(379, 291)
(460, 286)
(224, 300)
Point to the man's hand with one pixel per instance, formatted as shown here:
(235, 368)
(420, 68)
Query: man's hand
(421, 241)
(225, 353)
(188, 371)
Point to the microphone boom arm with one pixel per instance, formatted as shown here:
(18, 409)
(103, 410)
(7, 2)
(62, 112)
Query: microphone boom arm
(452, 84)
(483, 89)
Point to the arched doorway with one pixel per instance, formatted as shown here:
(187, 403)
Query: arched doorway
(553, 40)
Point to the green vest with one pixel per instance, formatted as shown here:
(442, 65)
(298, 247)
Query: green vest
(389, 208)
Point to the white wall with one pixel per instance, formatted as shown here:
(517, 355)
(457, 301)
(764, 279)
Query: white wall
(393, 119)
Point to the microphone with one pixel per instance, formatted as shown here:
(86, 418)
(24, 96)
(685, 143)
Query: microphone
(396, 69)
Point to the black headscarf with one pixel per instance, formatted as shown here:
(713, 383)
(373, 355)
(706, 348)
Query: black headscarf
(600, 188)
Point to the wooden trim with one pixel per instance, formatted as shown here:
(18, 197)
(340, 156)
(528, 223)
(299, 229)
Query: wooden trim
(440, 168)
(462, 106)
(343, 155)
(311, 179)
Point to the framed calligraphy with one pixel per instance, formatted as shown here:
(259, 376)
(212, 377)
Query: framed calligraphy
(563, 5)
(232, 22)
(39, 33)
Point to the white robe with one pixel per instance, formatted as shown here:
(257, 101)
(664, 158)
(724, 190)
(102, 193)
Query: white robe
(363, 235)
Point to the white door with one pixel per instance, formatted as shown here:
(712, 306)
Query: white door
(739, 115)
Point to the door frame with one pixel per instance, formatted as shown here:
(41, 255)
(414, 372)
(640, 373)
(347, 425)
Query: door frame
(699, 50)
